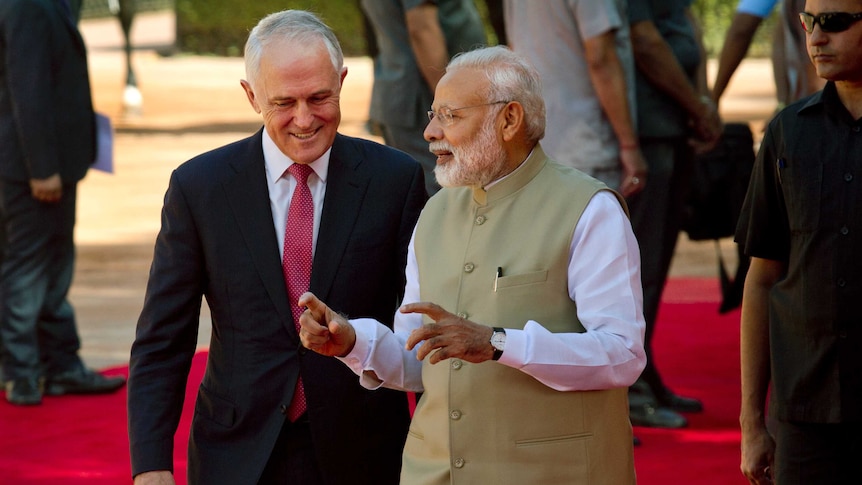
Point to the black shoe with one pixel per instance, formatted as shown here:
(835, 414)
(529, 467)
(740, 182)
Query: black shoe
(82, 381)
(679, 403)
(656, 417)
(23, 392)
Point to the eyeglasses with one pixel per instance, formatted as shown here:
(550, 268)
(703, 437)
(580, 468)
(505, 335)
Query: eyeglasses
(447, 118)
(830, 21)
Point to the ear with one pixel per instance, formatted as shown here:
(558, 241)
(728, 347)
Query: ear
(249, 92)
(513, 120)
(343, 74)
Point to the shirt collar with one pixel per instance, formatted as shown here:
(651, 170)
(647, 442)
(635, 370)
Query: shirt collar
(277, 162)
(828, 100)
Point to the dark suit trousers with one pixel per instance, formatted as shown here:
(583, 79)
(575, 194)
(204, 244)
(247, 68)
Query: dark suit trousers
(38, 324)
(293, 461)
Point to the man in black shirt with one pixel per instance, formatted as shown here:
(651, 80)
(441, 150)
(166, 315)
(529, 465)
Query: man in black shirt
(802, 226)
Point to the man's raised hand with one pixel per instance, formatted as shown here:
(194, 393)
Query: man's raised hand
(323, 330)
(450, 336)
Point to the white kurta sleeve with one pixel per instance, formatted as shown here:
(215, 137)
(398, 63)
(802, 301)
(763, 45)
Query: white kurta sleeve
(605, 282)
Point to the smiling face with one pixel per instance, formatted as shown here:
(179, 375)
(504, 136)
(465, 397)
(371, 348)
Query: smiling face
(470, 150)
(297, 91)
(837, 56)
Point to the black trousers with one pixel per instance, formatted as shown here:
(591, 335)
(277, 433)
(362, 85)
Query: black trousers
(293, 461)
(825, 454)
(656, 217)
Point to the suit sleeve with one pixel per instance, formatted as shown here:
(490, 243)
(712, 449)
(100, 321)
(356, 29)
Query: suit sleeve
(166, 336)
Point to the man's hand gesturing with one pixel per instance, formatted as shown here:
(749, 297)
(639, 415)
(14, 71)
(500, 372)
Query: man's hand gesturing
(323, 330)
(450, 336)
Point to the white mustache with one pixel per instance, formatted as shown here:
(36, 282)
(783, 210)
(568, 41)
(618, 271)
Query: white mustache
(439, 146)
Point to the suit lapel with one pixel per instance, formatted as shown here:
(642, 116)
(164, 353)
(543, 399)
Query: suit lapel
(248, 196)
(346, 186)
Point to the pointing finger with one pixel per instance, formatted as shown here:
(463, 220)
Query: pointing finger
(316, 307)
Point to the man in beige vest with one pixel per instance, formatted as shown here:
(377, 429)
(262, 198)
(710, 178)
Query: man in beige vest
(522, 320)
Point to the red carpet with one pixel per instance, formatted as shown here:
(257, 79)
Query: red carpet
(82, 440)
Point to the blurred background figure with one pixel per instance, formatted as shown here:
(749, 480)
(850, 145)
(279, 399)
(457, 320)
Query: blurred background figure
(415, 40)
(497, 19)
(673, 114)
(791, 68)
(582, 51)
(47, 144)
(125, 11)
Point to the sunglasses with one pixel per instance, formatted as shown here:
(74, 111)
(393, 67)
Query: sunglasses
(829, 22)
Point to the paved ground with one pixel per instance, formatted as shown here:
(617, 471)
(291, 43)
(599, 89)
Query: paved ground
(192, 104)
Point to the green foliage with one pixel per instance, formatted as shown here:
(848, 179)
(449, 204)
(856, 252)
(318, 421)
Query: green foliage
(221, 27)
(715, 17)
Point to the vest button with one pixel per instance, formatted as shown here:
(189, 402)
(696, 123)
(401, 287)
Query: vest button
(456, 364)
(845, 231)
(459, 463)
(848, 177)
(480, 220)
(469, 267)
(455, 415)
(283, 409)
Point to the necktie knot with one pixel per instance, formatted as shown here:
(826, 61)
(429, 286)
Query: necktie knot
(300, 172)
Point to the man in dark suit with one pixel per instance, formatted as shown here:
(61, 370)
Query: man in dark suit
(225, 221)
(47, 143)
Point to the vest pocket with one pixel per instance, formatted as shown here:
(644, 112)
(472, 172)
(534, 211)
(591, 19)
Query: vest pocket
(568, 455)
(521, 279)
(553, 440)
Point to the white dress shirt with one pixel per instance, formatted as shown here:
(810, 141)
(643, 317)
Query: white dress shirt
(604, 281)
(281, 186)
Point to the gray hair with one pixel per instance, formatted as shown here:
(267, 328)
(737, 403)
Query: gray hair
(511, 79)
(290, 25)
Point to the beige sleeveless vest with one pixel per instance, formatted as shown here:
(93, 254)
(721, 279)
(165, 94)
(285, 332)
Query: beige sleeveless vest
(488, 423)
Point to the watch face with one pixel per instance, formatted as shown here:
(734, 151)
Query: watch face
(498, 340)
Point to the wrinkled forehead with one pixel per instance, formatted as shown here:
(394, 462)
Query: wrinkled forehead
(295, 63)
(461, 87)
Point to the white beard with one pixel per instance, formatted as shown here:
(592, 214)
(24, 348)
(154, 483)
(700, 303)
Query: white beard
(475, 164)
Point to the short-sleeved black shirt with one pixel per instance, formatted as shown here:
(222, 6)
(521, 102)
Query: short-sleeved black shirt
(804, 208)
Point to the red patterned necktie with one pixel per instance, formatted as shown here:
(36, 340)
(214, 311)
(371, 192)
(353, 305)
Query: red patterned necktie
(296, 261)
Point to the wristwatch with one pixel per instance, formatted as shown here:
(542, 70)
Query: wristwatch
(498, 341)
